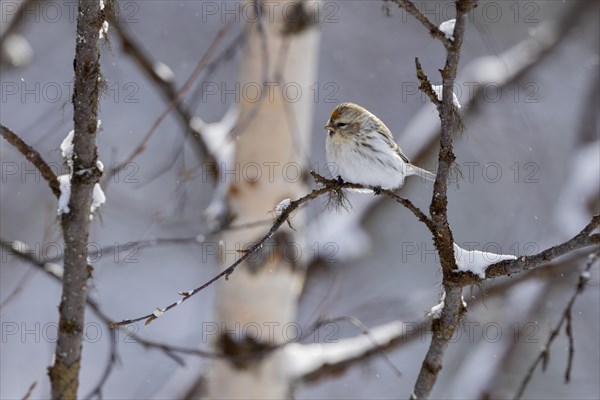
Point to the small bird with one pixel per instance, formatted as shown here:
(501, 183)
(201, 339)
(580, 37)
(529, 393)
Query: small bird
(361, 149)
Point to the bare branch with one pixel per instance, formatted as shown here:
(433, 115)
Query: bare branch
(329, 186)
(453, 310)
(333, 358)
(167, 87)
(544, 355)
(17, 290)
(434, 31)
(30, 390)
(33, 157)
(169, 350)
(64, 373)
(186, 86)
(583, 239)
(425, 85)
(15, 21)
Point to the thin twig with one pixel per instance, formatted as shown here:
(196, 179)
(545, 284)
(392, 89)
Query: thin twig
(113, 357)
(172, 104)
(168, 350)
(328, 186)
(15, 21)
(18, 289)
(434, 31)
(30, 390)
(425, 85)
(167, 88)
(32, 156)
(566, 317)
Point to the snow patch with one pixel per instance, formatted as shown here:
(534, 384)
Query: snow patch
(55, 269)
(103, 31)
(280, 208)
(438, 89)
(436, 311)
(163, 71)
(66, 147)
(64, 182)
(476, 261)
(447, 27)
(98, 197)
(20, 247)
(158, 312)
(222, 147)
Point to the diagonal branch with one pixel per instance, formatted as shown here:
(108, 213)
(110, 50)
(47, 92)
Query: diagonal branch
(333, 187)
(15, 23)
(434, 31)
(33, 157)
(166, 86)
(177, 99)
(585, 238)
(544, 355)
(169, 350)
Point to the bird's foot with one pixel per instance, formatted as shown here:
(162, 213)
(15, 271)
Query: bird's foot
(377, 190)
(339, 179)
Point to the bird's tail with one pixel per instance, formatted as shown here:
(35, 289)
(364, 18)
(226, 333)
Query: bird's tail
(423, 173)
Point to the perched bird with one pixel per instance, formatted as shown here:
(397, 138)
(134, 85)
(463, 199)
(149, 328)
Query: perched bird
(361, 149)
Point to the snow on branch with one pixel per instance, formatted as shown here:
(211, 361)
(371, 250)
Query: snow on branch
(309, 361)
(476, 261)
(585, 238)
(434, 31)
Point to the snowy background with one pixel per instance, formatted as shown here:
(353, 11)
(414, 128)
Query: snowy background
(530, 181)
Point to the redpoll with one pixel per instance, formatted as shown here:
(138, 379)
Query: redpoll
(361, 149)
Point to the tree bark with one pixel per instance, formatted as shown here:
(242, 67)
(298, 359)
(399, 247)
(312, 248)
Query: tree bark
(64, 373)
(256, 307)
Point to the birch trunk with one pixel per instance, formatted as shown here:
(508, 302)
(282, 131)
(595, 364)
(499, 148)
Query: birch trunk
(256, 308)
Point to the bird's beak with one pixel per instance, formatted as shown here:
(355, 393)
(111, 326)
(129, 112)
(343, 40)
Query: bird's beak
(329, 128)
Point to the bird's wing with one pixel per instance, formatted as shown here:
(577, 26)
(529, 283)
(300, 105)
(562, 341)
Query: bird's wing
(387, 135)
(400, 153)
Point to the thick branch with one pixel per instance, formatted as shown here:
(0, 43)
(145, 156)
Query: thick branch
(64, 374)
(585, 238)
(443, 329)
(445, 326)
(33, 157)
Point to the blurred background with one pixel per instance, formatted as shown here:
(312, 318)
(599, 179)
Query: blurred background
(529, 156)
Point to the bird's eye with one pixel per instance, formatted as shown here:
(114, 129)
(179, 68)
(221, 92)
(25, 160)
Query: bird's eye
(341, 124)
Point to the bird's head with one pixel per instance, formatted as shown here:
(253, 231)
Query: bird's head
(346, 120)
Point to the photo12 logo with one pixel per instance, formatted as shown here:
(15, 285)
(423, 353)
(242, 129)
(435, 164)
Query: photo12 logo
(308, 12)
(254, 92)
(24, 91)
(488, 12)
(60, 11)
